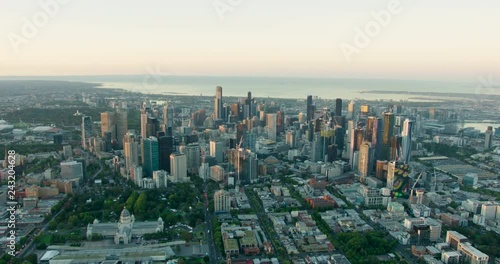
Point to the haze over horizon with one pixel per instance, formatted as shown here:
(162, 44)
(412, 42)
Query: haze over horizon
(424, 40)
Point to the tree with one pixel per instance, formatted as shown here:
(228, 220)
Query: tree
(140, 205)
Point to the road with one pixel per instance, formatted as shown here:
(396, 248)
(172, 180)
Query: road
(213, 251)
(31, 244)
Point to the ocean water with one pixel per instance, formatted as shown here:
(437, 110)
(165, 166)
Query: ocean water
(283, 87)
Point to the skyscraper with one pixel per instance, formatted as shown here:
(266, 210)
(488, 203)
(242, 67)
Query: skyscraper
(216, 150)
(387, 134)
(130, 151)
(165, 149)
(218, 103)
(108, 124)
(178, 165)
(150, 159)
(121, 126)
(310, 109)
(338, 107)
(271, 123)
(86, 130)
(406, 141)
(168, 119)
(365, 162)
(488, 138)
(193, 157)
(350, 110)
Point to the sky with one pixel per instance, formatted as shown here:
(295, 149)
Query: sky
(408, 39)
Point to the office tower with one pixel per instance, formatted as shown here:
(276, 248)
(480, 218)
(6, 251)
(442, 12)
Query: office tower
(216, 150)
(395, 148)
(86, 130)
(388, 132)
(280, 122)
(248, 108)
(338, 107)
(178, 165)
(137, 170)
(316, 147)
(406, 140)
(193, 157)
(488, 137)
(340, 133)
(222, 201)
(350, 110)
(144, 123)
(365, 164)
(150, 159)
(130, 151)
(160, 178)
(291, 139)
(240, 133)
(326, 139)
(107, 123)
(165, 149)
(373, 133)
(332, 153)
(271, 120)
(356, 140)
(67, 151)
(121, 117)
(168, 119)
(310, 108)
(218, 114)
(245, 164)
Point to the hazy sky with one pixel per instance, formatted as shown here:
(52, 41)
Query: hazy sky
(427, 39)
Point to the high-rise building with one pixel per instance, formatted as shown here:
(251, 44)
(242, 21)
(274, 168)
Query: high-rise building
(86, 130)
(160, 178)
(150, 159)
(291, 140)
(488, 138)
(165, 149)
(271, 123)
(406, 140)
(116, 124)
(365, 164)
(193, 157)
(168, 119)
(218, 114)
(130, 151)
(338, 107)
(178, 165)
(310, 108)
(144, 123)
(388, 132)
(350, 110)
(222, 201)
(356, 140)
(204, 171)
(121, 126)
(216, 150)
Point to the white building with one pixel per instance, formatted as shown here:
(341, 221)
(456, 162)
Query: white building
(222, 201)
(160, 178)
(178, 168)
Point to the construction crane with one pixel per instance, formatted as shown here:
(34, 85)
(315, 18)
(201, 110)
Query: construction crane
(413, 187)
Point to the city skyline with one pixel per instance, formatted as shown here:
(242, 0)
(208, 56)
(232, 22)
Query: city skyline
(417, 40)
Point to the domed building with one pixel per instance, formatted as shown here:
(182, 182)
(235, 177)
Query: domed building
(126, 228)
